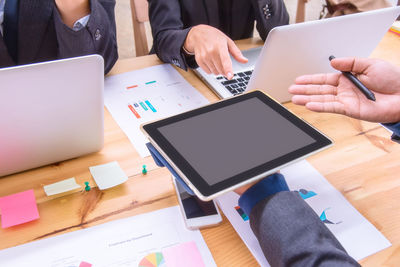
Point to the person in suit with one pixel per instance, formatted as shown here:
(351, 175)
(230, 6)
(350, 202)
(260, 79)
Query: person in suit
(190, 33)
(41, 30)
(269, 203)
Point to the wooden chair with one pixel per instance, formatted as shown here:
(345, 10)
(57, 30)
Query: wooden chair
(301, 10)
(140, 15)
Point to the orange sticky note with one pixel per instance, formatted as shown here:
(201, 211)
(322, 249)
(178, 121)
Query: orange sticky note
(183, 255)
(18, 208)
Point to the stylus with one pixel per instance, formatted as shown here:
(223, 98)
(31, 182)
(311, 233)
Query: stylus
(368, 94)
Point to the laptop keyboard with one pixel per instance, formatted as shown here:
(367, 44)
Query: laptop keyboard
(238, 83)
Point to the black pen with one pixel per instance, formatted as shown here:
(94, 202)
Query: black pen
(368, 94)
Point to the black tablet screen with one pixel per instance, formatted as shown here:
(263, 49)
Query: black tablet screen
(224, 142)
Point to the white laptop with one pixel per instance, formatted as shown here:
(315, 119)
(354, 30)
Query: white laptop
(303, 48)
(50, 112)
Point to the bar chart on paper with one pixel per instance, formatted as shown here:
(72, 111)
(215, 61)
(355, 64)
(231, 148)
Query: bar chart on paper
(145, 95)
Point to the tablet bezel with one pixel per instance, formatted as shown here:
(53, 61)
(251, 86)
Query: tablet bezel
(201, 187)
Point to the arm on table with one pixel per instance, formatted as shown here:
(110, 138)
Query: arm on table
(289, 231)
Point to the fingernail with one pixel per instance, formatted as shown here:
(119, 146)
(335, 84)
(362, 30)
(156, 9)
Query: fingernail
(229, 75)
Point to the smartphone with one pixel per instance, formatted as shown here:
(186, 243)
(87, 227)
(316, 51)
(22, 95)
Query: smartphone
(196, 213)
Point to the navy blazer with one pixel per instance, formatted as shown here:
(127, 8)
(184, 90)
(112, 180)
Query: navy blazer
(171, 21)
(42, 35)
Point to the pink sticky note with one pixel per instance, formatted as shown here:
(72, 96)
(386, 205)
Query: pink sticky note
(18, 208)
(183, 255)
(85, 264)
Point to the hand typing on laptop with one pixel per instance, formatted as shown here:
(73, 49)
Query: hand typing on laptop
(211, 48)
(227, 20)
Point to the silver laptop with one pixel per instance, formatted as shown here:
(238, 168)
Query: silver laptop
(50, 112)
(303, 48)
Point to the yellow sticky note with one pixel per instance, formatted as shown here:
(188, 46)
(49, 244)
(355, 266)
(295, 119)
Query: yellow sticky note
(61, 187)
(108, 175)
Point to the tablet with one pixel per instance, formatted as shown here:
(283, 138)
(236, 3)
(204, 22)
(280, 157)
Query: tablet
(225, 145)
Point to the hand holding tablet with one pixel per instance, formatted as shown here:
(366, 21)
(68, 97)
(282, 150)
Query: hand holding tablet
(234, 142)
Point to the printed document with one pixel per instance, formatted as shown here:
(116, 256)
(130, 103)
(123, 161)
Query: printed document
(158, 238)
(144, 95)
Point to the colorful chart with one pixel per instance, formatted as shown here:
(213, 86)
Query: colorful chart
(306, 194)
(325, 220)
(153, 260)
(134, 111)
(131, 87)
(141, 107)
(242, 213)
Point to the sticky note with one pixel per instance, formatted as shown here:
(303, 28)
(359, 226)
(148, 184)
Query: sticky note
(108, 175)
(183, 255)
(18, 208)
(85, 264)
(61, 187)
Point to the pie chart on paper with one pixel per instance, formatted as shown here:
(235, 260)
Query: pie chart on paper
(153, 260)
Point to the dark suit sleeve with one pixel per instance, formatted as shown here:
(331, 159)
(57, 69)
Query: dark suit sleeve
(291, 234)
(168, 32)
(5, 59)
(98, 37)
(269, 14)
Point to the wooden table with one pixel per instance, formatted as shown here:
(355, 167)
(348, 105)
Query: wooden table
(364, 165)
